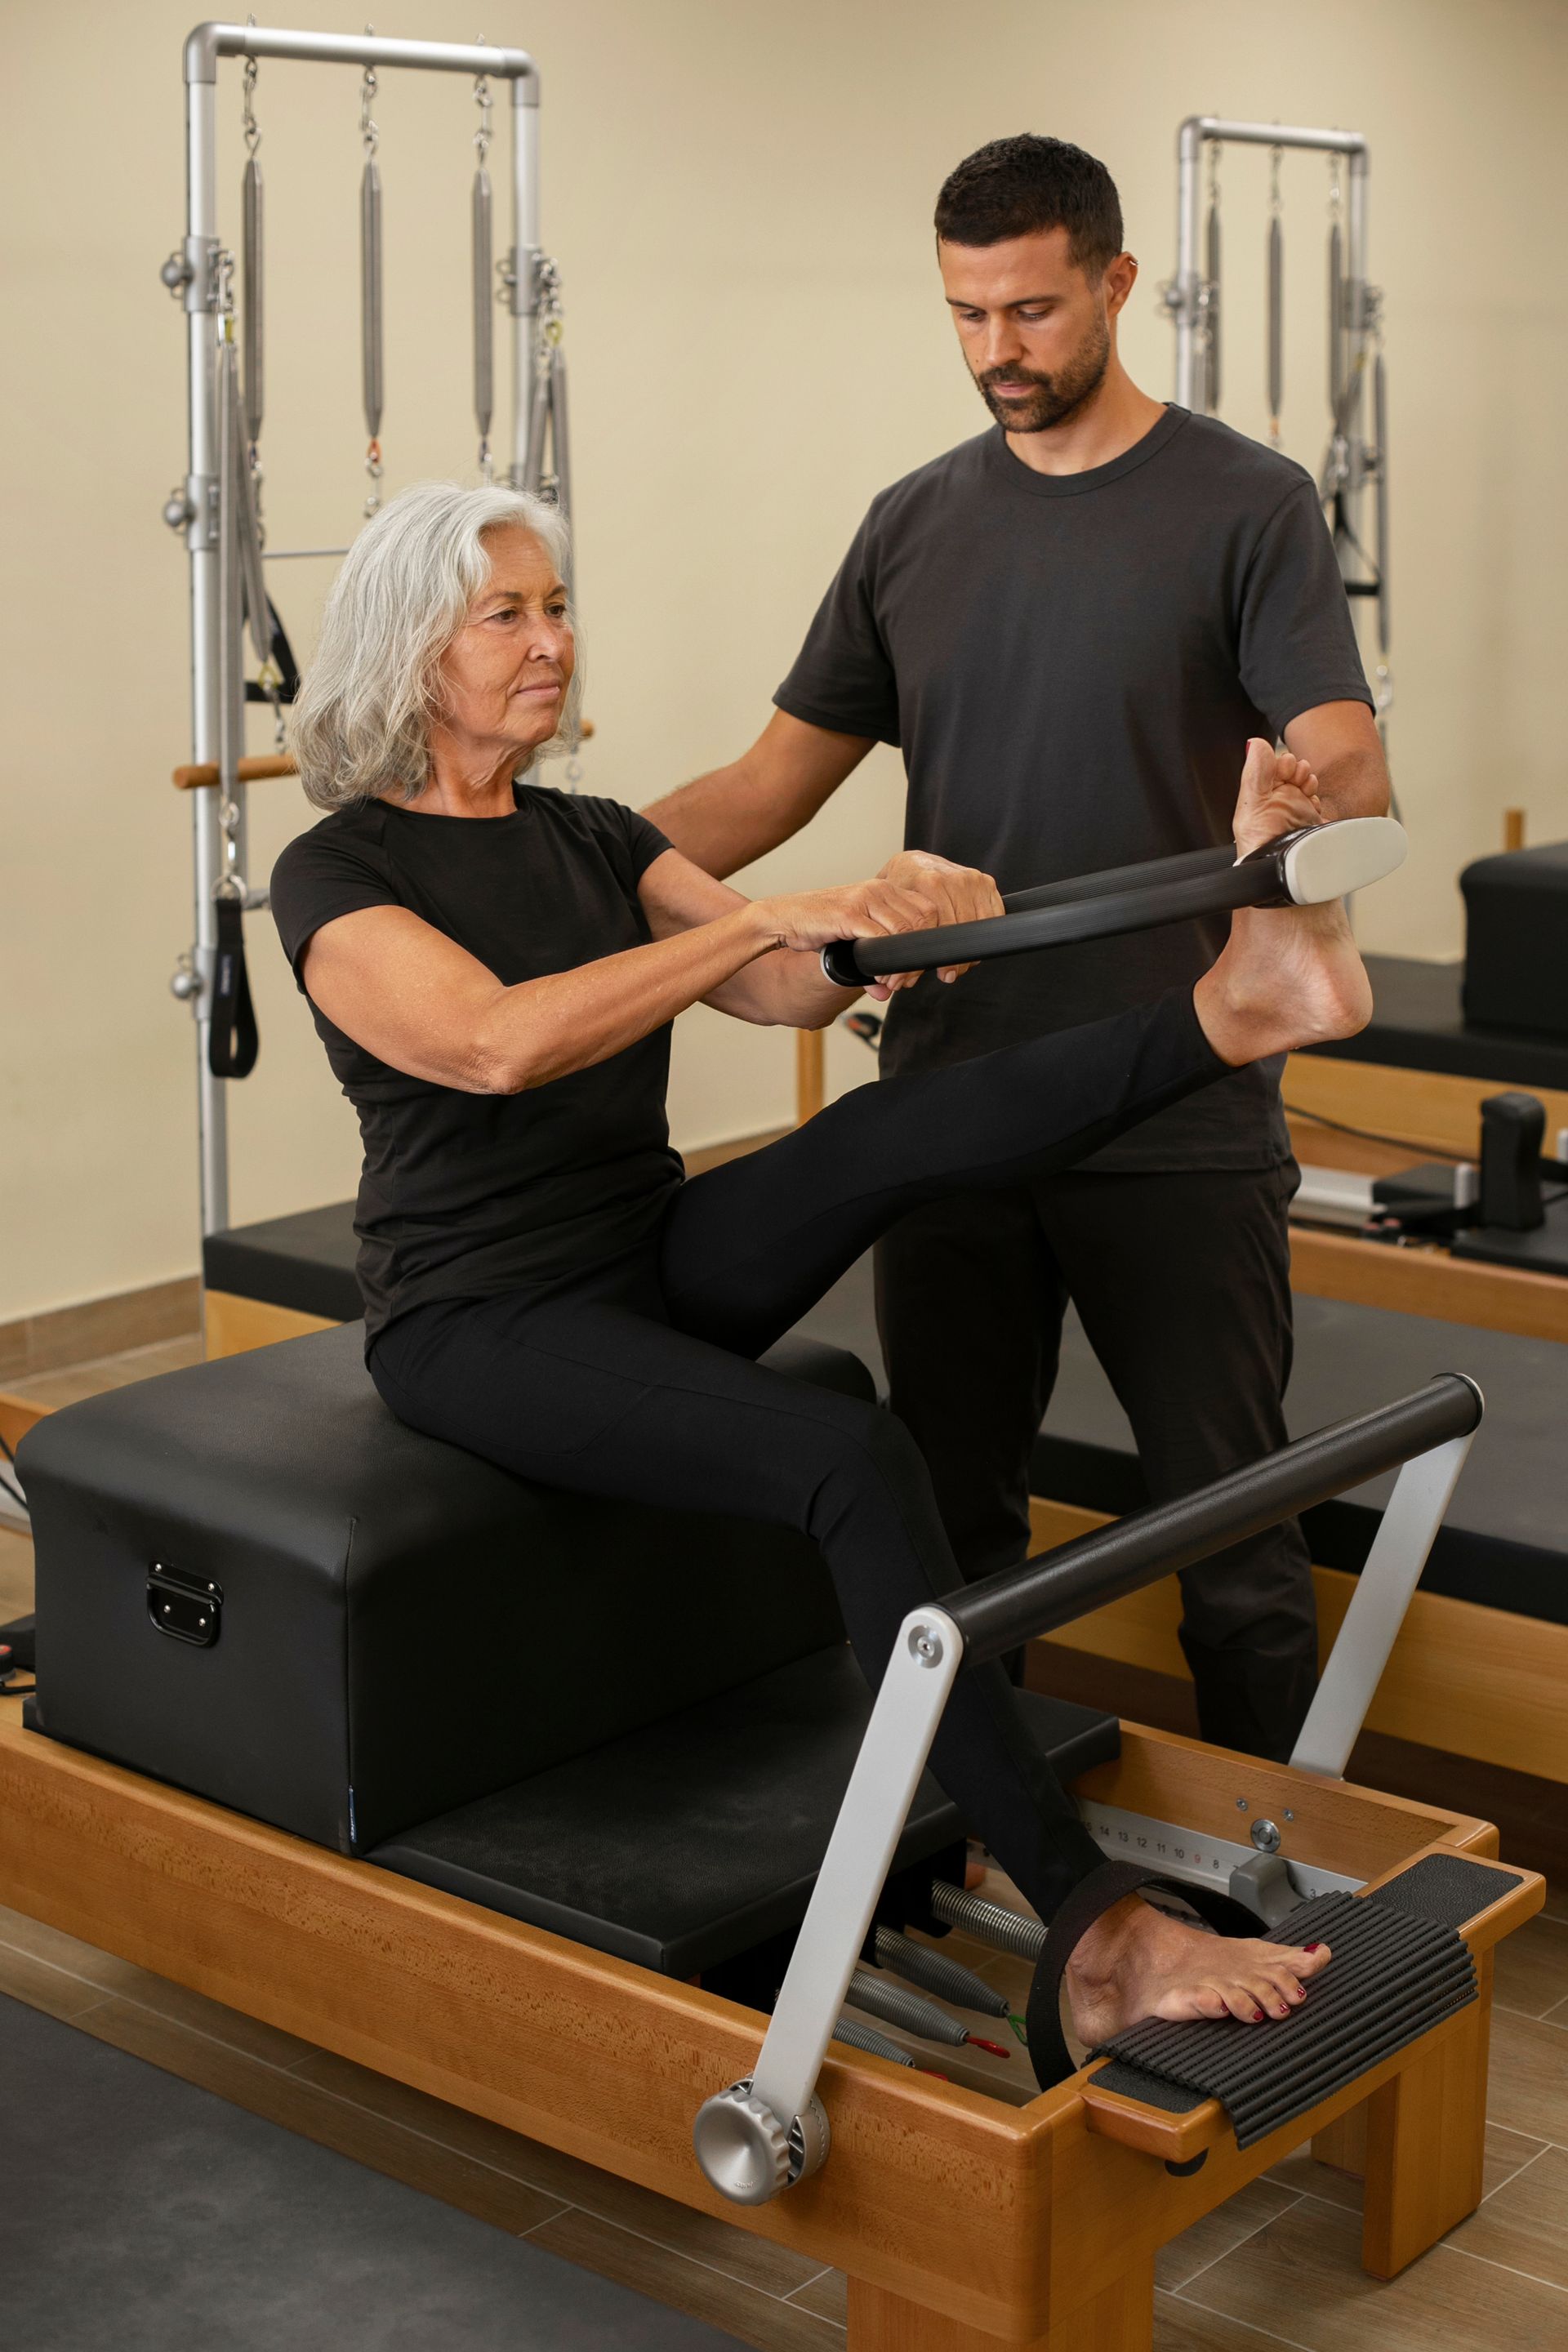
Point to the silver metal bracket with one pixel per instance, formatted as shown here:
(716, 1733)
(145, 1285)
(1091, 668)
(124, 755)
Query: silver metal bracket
(192, 980)
(191, 274)
(193, 509)
(1384, 1590)
(742, 2140)
(186, 980)
(1180, 1852)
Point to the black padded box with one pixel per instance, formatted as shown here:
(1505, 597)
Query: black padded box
(1516, 939)
(257, 1584)
(305, 1262)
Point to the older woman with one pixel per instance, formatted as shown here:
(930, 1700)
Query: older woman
(493, 968)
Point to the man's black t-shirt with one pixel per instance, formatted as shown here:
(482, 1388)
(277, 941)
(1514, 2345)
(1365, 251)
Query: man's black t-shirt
(466, 1195)
(1071, 665)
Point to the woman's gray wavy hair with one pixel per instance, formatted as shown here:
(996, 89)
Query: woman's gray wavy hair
(362, 717)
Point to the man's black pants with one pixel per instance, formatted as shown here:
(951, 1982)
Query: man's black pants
(1181, 1282)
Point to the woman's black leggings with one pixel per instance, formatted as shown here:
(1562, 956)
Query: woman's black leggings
(640, 1381)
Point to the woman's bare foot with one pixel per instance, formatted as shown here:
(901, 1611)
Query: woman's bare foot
(1289, 976)
(1135, 1962)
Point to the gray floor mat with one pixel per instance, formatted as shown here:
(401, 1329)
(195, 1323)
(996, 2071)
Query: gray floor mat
(141, 2214)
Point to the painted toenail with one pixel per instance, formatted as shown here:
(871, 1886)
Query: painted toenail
(1312, 1947)
(1259, 2018)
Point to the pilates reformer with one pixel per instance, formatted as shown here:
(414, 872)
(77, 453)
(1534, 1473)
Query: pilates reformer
(217, 508)
(485, 1846)
(1356, 456)
(486, 1849)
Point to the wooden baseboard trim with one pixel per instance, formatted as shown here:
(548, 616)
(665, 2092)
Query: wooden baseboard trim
(48, 1342)
(1477, 1681)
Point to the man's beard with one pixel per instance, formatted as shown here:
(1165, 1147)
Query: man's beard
(1055, 397)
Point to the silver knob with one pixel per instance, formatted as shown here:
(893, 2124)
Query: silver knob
(741, 2146)
(185, 980)
(178, 510)
(176, 272)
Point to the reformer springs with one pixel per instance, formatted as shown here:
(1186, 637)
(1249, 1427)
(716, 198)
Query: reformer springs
(949, 1980)
(987, 1922)
(898, 2006)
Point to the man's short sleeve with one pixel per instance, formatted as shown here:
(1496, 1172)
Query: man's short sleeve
(1297, 643)
(843, 676)
(318, 877)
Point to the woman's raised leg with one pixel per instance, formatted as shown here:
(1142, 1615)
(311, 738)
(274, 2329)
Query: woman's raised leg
(750, 1246)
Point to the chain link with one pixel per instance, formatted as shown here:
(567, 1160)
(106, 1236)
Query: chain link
(368, 129)
(483, 99)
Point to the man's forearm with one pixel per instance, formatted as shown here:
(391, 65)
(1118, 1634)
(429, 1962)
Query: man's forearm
(1339, 742)
(721, 821)
(1355, 783)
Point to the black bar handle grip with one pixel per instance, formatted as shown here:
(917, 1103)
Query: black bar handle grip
(1112, 878)
(1062, 914)
(1002, 1610)
(1302, 868)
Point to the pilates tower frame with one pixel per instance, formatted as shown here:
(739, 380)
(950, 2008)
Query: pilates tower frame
(217, 711)
(1188, 294)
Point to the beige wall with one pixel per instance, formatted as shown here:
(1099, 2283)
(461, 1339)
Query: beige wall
(738, 194)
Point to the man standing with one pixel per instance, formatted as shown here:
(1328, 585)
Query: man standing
(1072, 627)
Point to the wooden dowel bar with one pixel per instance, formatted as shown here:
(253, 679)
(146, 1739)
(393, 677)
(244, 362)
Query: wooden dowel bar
(246, 771)
(257, 771)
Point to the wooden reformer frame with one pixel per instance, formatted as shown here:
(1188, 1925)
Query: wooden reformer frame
(963, 2223)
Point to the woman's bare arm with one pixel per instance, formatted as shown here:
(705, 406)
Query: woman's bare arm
(790, 987)
(420, 1002)
(786, 986)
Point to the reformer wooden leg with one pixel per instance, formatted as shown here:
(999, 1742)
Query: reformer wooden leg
(1342, 2145)
(1425, 2143)
(1121, 2319)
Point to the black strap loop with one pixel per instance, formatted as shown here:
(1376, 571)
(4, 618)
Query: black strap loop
(1052, 2061)
(233, 1042)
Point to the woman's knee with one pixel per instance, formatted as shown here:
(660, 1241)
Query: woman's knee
(867, 1460)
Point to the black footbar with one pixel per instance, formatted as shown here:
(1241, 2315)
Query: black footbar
(1134, 899)
(1399, 1967)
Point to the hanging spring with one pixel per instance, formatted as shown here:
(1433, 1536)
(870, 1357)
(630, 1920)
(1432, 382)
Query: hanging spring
(483, 245)
(252, 249)
(1212, 286)
(370, 287)
(1276, 274)
(548, 326)
(1336, 300)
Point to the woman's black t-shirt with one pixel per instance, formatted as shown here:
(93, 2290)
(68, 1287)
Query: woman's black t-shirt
(463, 1195)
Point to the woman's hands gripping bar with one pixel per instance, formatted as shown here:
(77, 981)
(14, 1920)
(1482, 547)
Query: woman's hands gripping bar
(1304, 868)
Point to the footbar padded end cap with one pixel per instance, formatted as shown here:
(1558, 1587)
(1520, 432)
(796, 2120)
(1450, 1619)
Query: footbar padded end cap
(1326, 862)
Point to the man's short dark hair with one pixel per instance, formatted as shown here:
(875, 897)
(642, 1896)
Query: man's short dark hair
(1016, 187)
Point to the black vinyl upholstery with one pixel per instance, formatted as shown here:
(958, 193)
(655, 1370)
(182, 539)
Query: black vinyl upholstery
(403, 1628)
(699, 1837)
(305, 1262)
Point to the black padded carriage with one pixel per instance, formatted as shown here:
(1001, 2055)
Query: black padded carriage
(631, 1727)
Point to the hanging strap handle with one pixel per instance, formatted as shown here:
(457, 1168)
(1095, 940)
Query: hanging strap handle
(233, 1039)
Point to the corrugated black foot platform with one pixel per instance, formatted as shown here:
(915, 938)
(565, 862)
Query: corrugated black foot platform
(1399, 1967)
